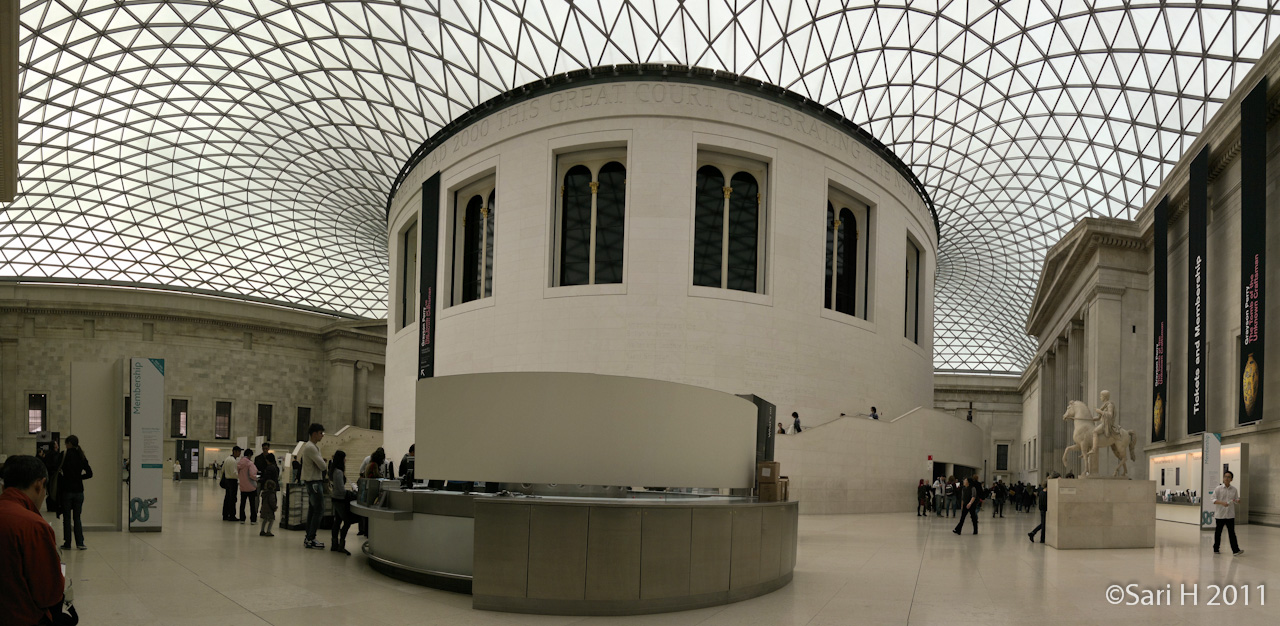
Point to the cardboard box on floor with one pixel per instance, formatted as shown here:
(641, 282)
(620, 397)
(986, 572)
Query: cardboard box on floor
(767, 472)
(769, 492)
(784, 488)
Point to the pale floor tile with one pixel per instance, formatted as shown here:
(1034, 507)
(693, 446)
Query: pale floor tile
(851, 569)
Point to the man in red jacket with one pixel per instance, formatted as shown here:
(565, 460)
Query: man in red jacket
(30, 571)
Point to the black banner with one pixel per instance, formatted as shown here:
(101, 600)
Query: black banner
(1253, 250)
(1160, 318)
(1197, 270)
(429, 227)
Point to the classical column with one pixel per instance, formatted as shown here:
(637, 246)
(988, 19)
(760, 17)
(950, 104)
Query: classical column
(360, 406)
(1074, 385)
(1050, 412)
(1105, 356)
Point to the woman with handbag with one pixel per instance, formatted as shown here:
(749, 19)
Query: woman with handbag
(75, 470)
(341, 502)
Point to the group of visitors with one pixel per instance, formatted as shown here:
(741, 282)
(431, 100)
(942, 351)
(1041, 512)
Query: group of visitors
(256, 481)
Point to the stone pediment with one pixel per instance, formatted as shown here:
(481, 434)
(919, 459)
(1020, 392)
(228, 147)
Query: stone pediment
(1066, 259)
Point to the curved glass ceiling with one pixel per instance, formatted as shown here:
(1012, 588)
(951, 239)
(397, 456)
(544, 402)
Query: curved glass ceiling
(245, 147)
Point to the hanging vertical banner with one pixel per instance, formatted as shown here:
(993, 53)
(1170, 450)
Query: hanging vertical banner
(1160, 318)
(429, 227)
(1210, 476)
(1197, 268)
(1253, 250)
(146, 443)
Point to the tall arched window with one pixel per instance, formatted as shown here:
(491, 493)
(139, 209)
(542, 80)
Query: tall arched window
(610, 222)
(744, 232)
(472, 228)
(848, 259)
(708, 227)
(489, 212)
(847, 262)
(828, 290)
(728, 230)
(575, 228)
(591, 218)
(473, 220)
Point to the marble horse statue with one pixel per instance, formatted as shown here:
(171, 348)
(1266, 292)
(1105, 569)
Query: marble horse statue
(1090, 436)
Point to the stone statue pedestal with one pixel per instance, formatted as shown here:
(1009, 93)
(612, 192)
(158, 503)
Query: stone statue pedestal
(1088, 514)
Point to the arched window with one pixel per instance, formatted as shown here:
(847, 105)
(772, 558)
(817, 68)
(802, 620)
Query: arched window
(575, 228)
(591, 228)
(847, 263)
(708, 227)
(828, 289)
(472, 229)
(610, 222)
(473, 221)
(488, 242)
(744, 232)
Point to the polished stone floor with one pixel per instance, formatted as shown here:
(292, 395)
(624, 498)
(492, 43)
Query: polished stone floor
(852, 569)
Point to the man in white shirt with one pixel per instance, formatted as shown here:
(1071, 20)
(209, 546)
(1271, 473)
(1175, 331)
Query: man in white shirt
(1226, 497)
(939, 495)
(313, 478)
(231, 484)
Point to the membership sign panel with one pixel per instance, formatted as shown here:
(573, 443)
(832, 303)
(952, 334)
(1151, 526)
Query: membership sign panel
(146, 443)
(1210, 477)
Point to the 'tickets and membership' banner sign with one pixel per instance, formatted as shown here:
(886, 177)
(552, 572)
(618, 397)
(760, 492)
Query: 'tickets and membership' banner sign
(1197, 270)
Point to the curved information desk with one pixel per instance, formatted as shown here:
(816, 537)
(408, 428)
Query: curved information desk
(584, 556)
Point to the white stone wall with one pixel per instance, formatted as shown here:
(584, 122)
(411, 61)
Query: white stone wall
(857, 465)
(781, 345)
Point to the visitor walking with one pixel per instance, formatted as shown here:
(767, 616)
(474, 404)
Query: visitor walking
(939, 495)
(31, 583)
(1042, 497)
(341, 508)
(998, 495)
(953, 496)
(969, 505)
(795, 425)
(1226, 497)
(75, 470)
(313, 478)
(875, 415)
(230, 485)
(177, 471)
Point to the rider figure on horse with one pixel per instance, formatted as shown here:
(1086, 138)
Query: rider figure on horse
(1106, 415)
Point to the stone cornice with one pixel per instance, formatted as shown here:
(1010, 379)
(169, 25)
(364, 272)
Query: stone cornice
(318, 334)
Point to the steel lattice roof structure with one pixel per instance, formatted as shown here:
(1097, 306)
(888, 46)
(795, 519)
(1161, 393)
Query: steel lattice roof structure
(246, 147)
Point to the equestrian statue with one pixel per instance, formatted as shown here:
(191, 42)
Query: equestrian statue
(1095, 430)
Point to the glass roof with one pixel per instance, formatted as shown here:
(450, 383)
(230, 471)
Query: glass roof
(245, 147)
